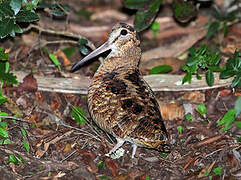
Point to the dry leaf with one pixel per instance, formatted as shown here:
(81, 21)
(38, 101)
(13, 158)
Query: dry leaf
(29, 83)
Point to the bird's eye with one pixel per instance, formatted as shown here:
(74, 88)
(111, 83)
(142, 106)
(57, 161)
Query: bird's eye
(123, 32)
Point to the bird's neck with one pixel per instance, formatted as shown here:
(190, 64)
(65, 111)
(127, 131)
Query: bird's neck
(128, 58)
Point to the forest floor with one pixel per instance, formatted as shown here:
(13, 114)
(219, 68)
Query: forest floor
(60, 148)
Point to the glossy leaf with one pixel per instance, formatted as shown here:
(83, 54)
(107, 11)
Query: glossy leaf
(227, 120)
(16, 5)
(160, 69)
(24, 132)
(55, 61)
(202, 109)
(13, 159)
(3, 55)
(3, 124)
(184, 10)
(236, 81)
(69, 51)
(3, 133)
(209, 77)
(26, 146)
(6, 27)
(226, 74)
(26, 16)
(79, 115)
(144, 18)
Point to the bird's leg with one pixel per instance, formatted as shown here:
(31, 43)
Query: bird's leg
(134, 146)
(120, 142)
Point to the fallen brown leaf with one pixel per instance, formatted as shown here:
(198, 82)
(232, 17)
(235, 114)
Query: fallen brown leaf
(194, 96)
(29, 83)
(111, 165)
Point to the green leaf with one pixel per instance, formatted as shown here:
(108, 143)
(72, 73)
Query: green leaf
(218, 171)
(155, 27)
(16, 5)
(213, 27)
(238, 124)
(202, 109)
(13, 159)
(160, 69)
(6, 27)
(69, 51)
(3, 114)
(227, 120)
(24, 133)
(78, 115)
(8, 78)
(226, 74)
(5, 142)
(179, 129)
(3, 133)
(3, 99)
(187, 78)
(184, 10)
(82, 43)
(144, 17)
(26, 16)
(83, 50)
(3, 55)
(188, 116)
(55, 61)
(147, 178)
(236, 81)
(26, 145)
(4, 125)
(209, 77)
(237, 106)
(5, 10)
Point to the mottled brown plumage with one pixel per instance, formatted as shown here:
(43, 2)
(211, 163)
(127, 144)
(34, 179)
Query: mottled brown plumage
(119, 100)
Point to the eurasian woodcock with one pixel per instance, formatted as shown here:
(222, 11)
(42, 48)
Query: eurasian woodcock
(119, 100)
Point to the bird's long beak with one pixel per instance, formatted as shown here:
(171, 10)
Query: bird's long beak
(103, 48)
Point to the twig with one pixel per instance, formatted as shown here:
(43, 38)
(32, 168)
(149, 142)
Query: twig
(14, 118)
(62, 33)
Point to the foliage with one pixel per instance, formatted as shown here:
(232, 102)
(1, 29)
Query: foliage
(14, 12)
(82, 42)
(155, 27)
(204, 59)
(78, 115)
(220, 22)
(184, 10)
(207, 61)
(147, 10)
(56, 9)
(202, 109)
(188, 116)
(5, 76)
(160, 69)
(55, 61)
(229, 118)
(179, 129)
(218, 171)
(233, 68)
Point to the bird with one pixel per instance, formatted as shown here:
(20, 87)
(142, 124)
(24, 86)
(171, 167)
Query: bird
(119, 100)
